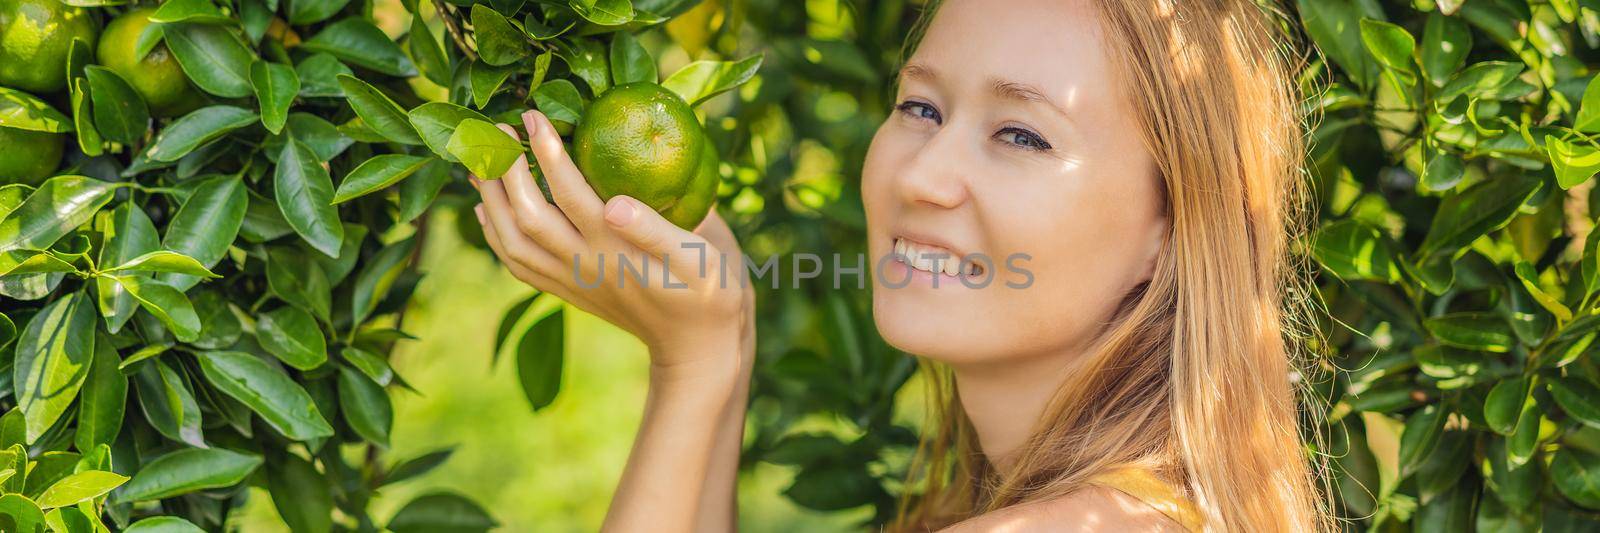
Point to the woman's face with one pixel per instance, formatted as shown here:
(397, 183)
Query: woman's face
(1010, 139)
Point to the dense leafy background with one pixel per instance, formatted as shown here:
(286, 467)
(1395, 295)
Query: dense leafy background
(1453, 162)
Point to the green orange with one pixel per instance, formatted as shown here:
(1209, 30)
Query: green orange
(29, 156)
(35, 38)
(643, 141)
(157, 76)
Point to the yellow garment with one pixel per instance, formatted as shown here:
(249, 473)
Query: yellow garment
(1154, 492)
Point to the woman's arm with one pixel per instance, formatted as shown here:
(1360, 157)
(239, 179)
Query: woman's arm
(681, 472)
(667, 484)
(719, 499)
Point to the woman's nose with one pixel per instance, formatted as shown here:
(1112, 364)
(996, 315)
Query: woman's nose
(937, 174)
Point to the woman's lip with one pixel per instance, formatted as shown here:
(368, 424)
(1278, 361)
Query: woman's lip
(926, 241)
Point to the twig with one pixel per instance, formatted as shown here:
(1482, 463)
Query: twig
(454, 30)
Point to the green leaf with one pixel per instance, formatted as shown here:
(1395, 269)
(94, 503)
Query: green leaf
(104, 398)
(1474, 330)
(1578, 397)
(89, 140)
(215, 60)
(365, 405)
(373, 366)
(304, 193)
(587, 59)
(427, 53)
(301, 494)
(1587, 120)
(1443, 172)
(197, 128)
(79, 487)
(322, 137)
(1334, 26)
(485, 80)
(436, 123)
(1503, 407)
(163, 524)
(1551, 303)
(356, 41)
(508, 321)
(129, 233)
(293, 336)
(1479, 209)
(1353, 251)
(559, 101)
(58, 206)
(499, 43)
(377, 173)
(275, 87)
(1420, 436)
(417, 466)
(378, 111)
(219, 328)
(185, 471)
(1445, 43)
(168, 304)
(282, 403)
(418, 192)
(53, 354)
(20, 513)
(196, 11)
(630, 62)
(119, 112)
(441, 512)
(298, 280)
(23, 111)
(1577, 475)
(1479, 80)
(1573, 163)
(319, 75)
(605, 12)
(701, 80)
(483, 148)
(165, 261)
(206, 225)
(375, 279)
(1390, 44)
(304, 12)
(539, 357)
(168, 404)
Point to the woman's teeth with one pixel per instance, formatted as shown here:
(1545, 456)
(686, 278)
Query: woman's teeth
(925, 258)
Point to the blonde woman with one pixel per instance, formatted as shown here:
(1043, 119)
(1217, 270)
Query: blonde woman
(1131, 167)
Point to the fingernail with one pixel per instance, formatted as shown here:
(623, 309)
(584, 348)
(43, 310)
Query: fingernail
(620, 212)
(532, 124)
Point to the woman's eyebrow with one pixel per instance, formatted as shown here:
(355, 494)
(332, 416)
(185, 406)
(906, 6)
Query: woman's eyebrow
(1022, 92)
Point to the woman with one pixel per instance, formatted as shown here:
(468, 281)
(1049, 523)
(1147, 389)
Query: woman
(1136, 165)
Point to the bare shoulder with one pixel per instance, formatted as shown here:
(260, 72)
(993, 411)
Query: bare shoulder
(1090, 509)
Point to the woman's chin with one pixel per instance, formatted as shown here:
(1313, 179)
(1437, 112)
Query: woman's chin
(910, 327)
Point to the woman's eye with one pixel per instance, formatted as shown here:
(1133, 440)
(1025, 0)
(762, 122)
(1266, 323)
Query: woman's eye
(919, 110)
(1023, 139)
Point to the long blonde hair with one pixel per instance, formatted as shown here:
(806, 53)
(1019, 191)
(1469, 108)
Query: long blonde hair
(1196, 378)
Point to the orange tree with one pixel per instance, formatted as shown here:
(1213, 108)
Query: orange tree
(209, 218)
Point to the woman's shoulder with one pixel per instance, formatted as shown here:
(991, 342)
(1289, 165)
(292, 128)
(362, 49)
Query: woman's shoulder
(1093, 508)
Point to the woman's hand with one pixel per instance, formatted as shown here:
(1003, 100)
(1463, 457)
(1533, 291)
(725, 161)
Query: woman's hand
(561, 249)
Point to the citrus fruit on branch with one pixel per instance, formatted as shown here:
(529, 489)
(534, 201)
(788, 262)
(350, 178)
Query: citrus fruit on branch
(35, 37)
(156, 76)
(643, 141)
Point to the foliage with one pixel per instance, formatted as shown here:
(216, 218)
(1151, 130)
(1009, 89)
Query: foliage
(196, 306)
(1458, 252)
